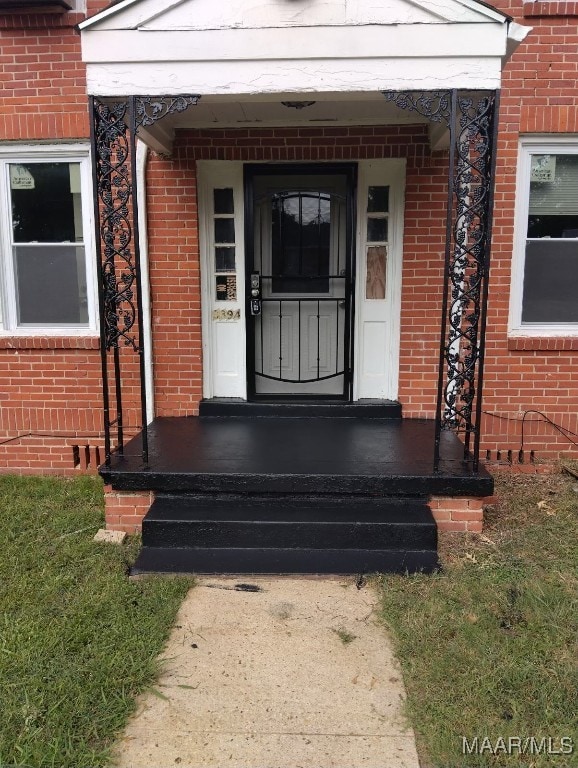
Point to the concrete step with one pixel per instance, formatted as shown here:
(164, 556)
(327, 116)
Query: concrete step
(280, 533)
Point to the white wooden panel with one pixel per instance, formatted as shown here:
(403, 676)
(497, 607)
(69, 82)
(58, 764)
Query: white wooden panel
(381, 11)
(258, 14)
(227, 352)
(293, 76)
(279, 350)
(223, 340)
(377, 321)
(374, 350)
(255, 14)
(289, 341)
(327, 334)
(297, 46)
(297, 43)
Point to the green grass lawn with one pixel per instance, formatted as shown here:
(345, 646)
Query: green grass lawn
(489, 646)
(78, 640)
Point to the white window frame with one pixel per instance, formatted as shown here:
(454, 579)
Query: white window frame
(532, 145)
(45, 153)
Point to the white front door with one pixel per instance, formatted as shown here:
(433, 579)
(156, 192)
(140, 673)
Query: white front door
(300, 261)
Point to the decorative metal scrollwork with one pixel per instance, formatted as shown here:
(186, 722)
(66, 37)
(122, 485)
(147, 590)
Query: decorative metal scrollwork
(472, 121)
(149, 109)
(435, 105)
(468, 267)
(114, 191)
(114, 128)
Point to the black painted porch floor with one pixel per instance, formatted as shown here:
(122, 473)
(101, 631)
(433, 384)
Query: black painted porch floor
(393, 457)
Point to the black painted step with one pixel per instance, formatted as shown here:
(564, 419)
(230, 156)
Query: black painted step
(278, 561)
(276, 533)
(314, 522)
(368, 408)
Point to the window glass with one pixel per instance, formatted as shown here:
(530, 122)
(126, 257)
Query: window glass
(378, 200)
(50, 285)
(48, 256)
(377, 230)
(550, 287)
(553, 209)
(224, 244)
(223, 200)
(46, 202)
(550, 292)
(225, 259)
(301, 240)
(224, 230)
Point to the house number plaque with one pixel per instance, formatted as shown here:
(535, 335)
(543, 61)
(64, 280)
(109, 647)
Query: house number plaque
(226, 314)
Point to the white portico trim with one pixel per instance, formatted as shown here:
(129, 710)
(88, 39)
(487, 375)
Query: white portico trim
(162, 47)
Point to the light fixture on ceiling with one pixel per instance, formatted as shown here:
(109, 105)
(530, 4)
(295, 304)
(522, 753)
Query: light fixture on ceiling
(298, 104)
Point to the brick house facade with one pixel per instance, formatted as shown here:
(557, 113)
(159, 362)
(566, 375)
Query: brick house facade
(51, 393)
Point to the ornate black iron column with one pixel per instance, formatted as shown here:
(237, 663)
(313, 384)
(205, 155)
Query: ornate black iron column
(472, 121)
(115, 124)
(459, 404)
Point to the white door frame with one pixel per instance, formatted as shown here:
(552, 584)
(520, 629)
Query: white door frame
(375, 372)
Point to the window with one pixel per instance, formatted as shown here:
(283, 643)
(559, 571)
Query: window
(545, 282)
(301, 241)
(42, 6)
(376, 242)
(46, 241)
(224, 244)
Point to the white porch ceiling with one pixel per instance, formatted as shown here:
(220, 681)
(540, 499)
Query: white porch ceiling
(269, 111)
(358, 109)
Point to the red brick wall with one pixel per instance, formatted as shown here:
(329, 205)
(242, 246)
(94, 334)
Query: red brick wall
(539, 96)
(42, 80)
(175, 284)
(174, 252)
(51, 387)
(517, 373)
(50, 401)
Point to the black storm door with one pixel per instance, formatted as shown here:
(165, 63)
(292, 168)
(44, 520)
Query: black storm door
(299, 280)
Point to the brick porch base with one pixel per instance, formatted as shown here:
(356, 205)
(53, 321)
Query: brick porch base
(458, 513)
(124, 511)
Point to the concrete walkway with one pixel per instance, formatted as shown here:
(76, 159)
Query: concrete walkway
(296, 674)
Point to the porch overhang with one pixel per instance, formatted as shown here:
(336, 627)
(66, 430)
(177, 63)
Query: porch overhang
(410, 61)
(276, 47)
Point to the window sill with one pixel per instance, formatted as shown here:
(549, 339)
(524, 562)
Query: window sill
(543, 343)
(550, 8)
(49, 342)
